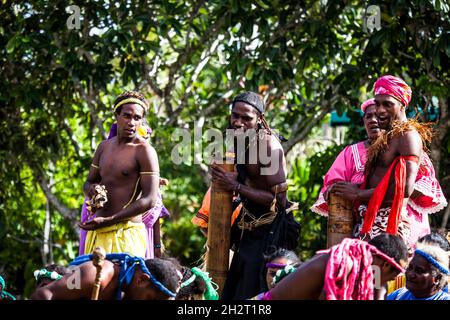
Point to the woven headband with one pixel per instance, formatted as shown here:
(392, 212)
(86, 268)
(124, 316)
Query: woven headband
(433, 261)
(275, 265)
(131, 100)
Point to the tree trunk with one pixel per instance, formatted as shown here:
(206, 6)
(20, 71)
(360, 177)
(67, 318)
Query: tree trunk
(436, 147)
(47, 254)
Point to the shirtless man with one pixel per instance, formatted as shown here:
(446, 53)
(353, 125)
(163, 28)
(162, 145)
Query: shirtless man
(153, 279)
(256, 182)
(128, 168)
(395, 154)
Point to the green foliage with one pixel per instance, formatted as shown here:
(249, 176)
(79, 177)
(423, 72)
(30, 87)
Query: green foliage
(305, 181)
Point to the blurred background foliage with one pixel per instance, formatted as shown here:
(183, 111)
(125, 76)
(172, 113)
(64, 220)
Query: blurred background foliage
(307, 58)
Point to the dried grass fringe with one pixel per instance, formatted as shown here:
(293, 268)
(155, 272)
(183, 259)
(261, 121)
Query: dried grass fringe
(399, 128)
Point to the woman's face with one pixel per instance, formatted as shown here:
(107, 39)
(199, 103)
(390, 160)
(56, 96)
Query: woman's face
(271, 272)
(371, 122)
(421, 278)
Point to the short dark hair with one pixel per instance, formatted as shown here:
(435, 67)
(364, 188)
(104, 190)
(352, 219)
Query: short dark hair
(165, 272)
(435, 238)
(198, 286)
(130, 94)
(59, 269)
(391, 245)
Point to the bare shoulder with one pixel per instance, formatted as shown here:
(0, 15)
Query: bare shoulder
(144, 147)
(409, 143)
(273, 142)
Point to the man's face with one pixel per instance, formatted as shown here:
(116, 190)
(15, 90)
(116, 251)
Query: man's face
(387, 271)
(371, 122)
(243, 117)
(421, 278)
(387, 109)
(129, 120)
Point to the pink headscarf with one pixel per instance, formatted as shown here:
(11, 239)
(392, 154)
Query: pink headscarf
(366, 104)
(394, 87)
(349, 275)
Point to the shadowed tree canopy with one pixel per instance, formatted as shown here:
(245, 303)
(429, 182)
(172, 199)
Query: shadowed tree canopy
(190, 58)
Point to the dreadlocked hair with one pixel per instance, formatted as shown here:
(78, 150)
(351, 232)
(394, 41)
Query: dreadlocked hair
(399, 128)
(130, 94)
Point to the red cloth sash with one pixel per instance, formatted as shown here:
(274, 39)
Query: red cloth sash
(379, 193)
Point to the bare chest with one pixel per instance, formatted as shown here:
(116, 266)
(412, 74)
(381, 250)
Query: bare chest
(118, 162)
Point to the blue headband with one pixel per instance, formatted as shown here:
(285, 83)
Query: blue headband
(433, 261)
(127, 268)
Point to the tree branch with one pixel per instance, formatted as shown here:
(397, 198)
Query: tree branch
(70, 214)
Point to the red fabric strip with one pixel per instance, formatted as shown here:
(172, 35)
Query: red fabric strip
(379, 193)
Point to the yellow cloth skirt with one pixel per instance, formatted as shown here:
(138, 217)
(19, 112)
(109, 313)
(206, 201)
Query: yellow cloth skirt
(397, 283)
(124, 237)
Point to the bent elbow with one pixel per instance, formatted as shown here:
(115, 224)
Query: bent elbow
(148, 203)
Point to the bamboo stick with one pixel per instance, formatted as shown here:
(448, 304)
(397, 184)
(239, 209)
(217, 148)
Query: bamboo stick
(340, 220)
(98, 257)
(219, 225)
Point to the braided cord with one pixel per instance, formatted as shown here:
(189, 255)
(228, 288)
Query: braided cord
(127, 268)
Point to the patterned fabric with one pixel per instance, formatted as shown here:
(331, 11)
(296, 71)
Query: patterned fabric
(380, 224)
(124, 237)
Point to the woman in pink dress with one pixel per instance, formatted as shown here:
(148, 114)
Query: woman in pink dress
(349, 167)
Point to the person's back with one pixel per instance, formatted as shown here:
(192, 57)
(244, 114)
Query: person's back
(321, 278)
(123, 277)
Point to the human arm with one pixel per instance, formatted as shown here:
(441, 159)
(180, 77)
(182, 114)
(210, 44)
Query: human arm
(157, 239)
(410, 144)
(149, 181)
(351, 191)
(94, 176)
(271, 174)
(305, 283)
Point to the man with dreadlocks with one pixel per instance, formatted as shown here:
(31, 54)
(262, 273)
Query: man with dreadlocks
(261, 187)
(124, 170)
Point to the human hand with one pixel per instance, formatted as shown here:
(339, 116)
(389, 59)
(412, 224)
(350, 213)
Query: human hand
(223, 179)
(163, 182)
(96, 223)
(91, 191)
(346, 190)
